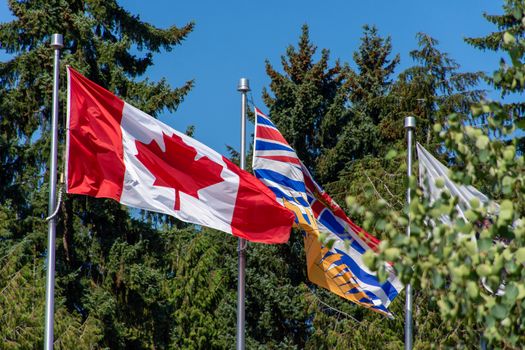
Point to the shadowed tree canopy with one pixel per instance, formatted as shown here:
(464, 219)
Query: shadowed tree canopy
(509, 78)
(369, 118)
(459, 262)
(307, 100)
(109, 266)
(140, 281)
(368, 90)
(434, 87)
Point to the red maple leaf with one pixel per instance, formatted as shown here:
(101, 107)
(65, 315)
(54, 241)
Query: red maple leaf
(177, 168)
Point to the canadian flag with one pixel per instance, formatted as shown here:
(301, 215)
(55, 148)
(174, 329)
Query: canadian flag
(116, 151)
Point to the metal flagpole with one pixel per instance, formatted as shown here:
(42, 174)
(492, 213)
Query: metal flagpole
(243, 87)
(57, 44)
(410, 125)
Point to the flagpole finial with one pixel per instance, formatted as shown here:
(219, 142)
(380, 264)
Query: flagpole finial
(57, 41)
(410, 122)
(244, 85)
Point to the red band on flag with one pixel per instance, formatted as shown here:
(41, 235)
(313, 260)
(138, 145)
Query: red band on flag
(95, 139)
(317, 207)
(283, 159)
(165, 171)
(254, 220)
(270, 134)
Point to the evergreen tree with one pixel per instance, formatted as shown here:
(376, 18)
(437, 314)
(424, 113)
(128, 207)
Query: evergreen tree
(434, 87)
(508, 79)
(509, 21)
(331, 318)
(308, 99)
(109, 267)
(369, 90)
(204, 292)
(372, 123)
(371, 171)
(430, 90)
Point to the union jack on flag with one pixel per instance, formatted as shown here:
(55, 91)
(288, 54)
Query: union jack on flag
(340, 268)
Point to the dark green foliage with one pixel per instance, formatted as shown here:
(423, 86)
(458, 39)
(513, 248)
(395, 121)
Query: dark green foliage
(509, 21)
(109, 266)
(459, 263)
(203, 292)
(309, 97)
(364, 133)
(145, 281)
(369, 88)
(434, 87)
(509, 77)
(369, 117)
(22, 299)
(202, 289)
(277, 309)
(429, 90)
(332, 327)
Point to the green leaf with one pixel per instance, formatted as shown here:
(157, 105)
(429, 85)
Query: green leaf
(472, 289)
(498, 311)
(482, 142)
(392, 153)
(483, 270)
(380, 224)
(472, 247)
(476, 110)
(506, 210)
(437, 279)
(474, 202)
(484, 244)
(520, 256)
(471, 215)
(330, 243)
(508, 38)
(509, 153)
(507, 183)
(511, 293)
(392, 253)
(369, 258)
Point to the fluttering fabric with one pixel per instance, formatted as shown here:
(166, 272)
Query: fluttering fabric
(117, 151)
(338, 267)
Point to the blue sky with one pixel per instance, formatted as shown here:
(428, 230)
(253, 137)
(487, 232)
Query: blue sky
(232, 39)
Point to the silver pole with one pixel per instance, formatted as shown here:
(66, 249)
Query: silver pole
(410, 125)
(57, 44)
(243, 87)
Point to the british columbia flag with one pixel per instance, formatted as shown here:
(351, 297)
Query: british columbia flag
(339, 268)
